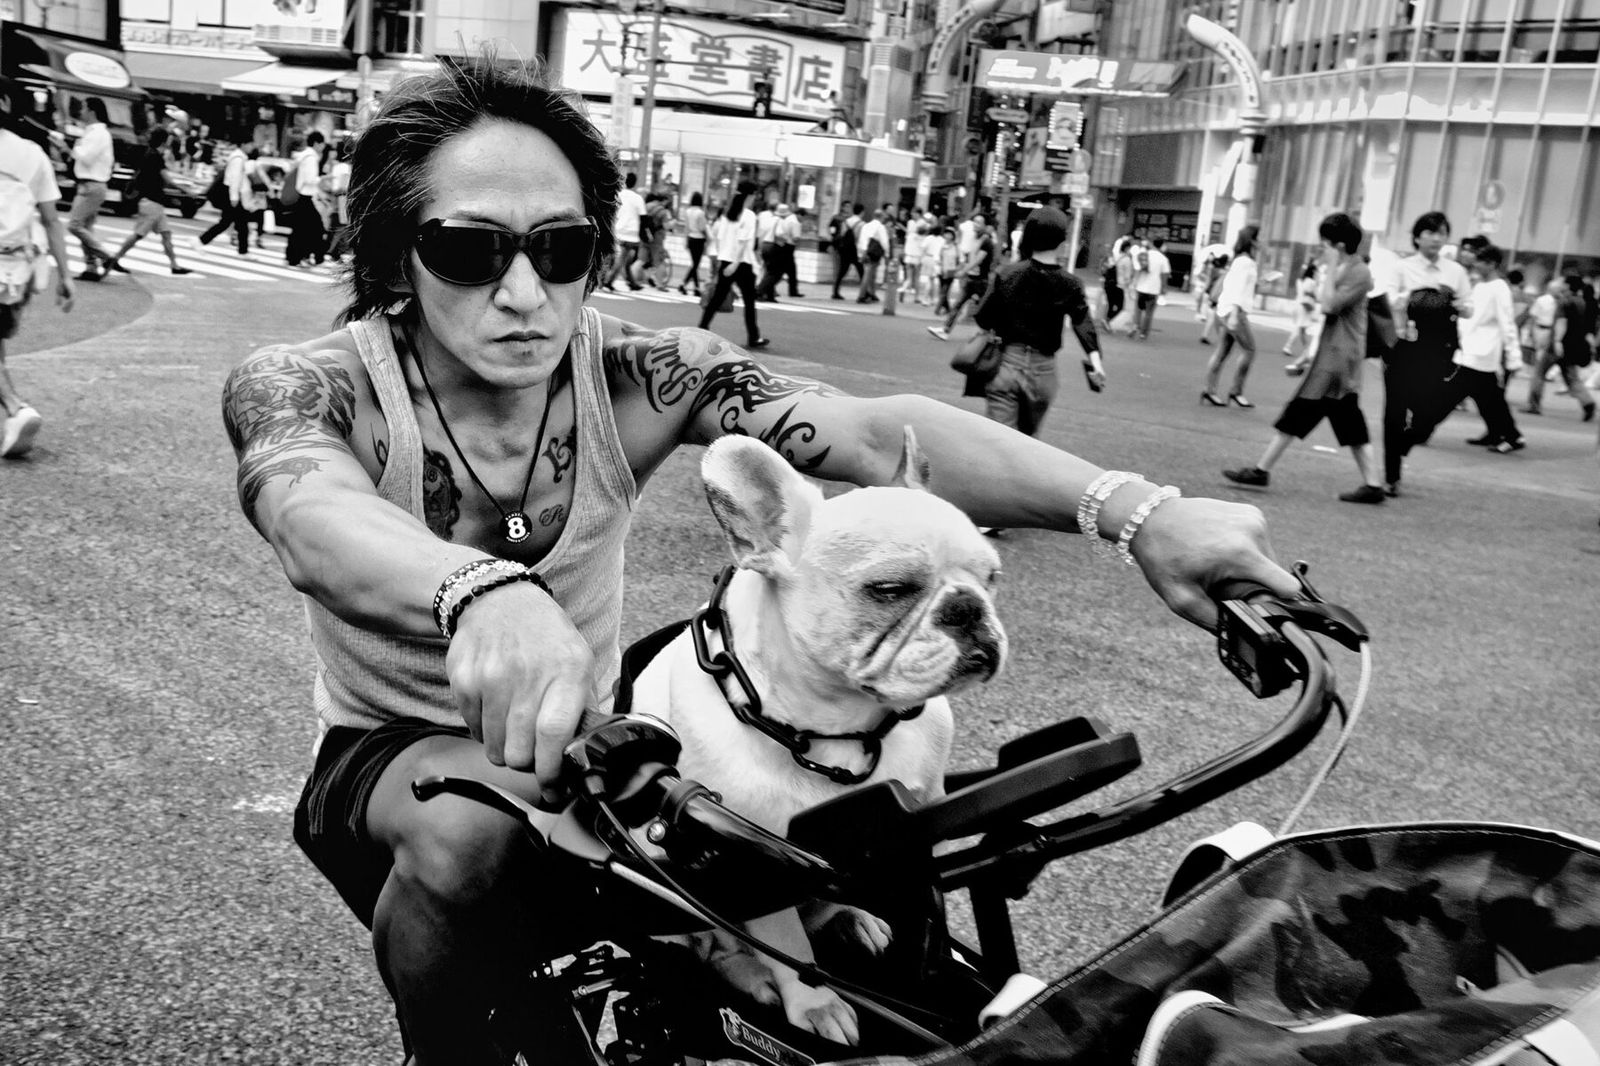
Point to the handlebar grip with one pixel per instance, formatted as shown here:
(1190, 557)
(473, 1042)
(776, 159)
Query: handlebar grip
(1238, 589)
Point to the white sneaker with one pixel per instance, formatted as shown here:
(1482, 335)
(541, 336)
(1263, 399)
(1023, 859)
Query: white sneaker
(940, 332)
(20, 430)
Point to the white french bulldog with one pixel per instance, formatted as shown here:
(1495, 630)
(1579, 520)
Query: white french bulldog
(843, 611)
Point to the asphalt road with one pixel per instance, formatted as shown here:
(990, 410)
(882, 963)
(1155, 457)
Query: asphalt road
(155, 678)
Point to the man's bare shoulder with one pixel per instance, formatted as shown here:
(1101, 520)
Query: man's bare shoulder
(665, 366)
(317, 380)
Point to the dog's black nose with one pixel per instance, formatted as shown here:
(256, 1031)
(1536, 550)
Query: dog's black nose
(961, 610)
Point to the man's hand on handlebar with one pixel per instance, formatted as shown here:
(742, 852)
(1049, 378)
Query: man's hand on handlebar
(1188, 548)
(521, 676)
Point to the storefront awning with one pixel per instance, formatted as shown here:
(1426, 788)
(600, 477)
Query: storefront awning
(386, 74)
(64, 61)
(166, 72)
(281, 79)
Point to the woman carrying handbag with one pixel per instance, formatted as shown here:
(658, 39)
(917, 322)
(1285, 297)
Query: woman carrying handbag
(734, 240)
(1233, 311)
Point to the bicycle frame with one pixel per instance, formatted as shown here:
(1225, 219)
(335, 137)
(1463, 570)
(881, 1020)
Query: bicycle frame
(872, 847)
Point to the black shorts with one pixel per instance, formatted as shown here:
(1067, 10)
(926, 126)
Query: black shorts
(1344, 417)
(10, 318)
(330, 822)
(330, 825)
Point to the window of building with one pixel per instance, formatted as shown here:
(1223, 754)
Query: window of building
(398, 26)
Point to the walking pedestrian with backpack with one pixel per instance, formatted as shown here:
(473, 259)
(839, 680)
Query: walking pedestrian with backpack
(842, 241)
(975, 271)
(230, 202)
(28, 195)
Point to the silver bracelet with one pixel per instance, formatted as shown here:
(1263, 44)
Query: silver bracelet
(1140, 513)
(455, 586)
(1094, 498)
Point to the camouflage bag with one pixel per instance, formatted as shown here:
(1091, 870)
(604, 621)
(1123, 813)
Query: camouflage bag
(1440, 944)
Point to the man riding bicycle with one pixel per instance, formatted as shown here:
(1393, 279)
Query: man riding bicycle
(449, 479)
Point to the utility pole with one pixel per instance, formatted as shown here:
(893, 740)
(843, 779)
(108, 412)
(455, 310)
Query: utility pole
(646, 156)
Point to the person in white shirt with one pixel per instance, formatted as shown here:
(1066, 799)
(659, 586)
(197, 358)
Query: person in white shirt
(1233, 311)
(967, 235)
(872, 247)
(233, 212)
(92, 161)
(932, 262)
(1427, 291)
(694, 239)
(27, 162)
(767, 253)
(1150, 283)
(1487, 353)
(307, 237)
(911, 262)
(733, 242)
(630, 208)
(786, 234)
(1556, 341)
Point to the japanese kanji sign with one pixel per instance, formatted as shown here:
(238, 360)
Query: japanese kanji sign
(706, 61)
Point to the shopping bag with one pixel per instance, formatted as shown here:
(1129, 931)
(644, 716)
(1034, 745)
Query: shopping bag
(979, 356)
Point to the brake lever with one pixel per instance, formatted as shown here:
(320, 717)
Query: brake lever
(1308, 610)
(1250, 621)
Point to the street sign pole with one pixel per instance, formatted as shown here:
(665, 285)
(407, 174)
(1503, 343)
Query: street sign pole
(646, 156)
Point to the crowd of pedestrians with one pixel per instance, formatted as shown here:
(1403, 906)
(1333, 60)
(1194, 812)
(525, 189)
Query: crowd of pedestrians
(1446, 327)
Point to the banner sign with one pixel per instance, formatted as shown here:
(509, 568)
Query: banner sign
(704, 61)
(1070, 75)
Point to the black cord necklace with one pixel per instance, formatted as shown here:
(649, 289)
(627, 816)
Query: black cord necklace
(514, 525)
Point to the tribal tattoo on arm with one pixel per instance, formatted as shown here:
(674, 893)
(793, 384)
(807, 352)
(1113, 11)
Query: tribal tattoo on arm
(707, 373)
(285, 415)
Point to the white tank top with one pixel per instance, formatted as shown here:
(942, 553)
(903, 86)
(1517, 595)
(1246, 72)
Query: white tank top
(365, 678)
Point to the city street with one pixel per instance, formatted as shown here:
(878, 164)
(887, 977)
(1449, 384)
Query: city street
(155, 677)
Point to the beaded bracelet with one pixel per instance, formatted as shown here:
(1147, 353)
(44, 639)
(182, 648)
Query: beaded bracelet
(1140, 513)
(498, 581)
(1094, 498)
(458, 579)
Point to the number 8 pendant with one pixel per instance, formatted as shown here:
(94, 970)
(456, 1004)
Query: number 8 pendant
(515, 527)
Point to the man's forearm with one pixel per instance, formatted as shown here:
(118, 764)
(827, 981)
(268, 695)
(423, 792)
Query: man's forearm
(365, 560)
(995, 474)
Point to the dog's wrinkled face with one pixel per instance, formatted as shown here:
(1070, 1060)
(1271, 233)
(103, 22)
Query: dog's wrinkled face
(885, 592)
(893, 590)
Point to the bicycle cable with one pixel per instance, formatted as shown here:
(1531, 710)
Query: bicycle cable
(877, 1002)
(1348, 717)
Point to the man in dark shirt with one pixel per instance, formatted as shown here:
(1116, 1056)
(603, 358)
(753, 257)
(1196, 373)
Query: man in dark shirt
(1029, 304)
(149, 184)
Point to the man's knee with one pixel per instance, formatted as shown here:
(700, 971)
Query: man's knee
(459, 855)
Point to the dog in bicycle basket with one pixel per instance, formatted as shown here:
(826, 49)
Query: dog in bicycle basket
(823, 662)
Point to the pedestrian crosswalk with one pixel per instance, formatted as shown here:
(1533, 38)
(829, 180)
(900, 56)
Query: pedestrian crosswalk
(220, 259)
(673, 296)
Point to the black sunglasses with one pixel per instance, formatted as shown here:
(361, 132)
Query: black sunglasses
(476, 253)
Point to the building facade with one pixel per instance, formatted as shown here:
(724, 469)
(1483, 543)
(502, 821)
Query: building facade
(1484, 109)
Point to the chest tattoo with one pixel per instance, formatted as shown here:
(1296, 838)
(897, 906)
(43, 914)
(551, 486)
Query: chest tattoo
(441, 498)
(562, 453)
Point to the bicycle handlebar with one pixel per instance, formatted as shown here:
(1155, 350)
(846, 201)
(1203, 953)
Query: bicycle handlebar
(626, 762)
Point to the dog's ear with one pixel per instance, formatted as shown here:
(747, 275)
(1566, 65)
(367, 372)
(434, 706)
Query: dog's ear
(914, 471)
(763, 505)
